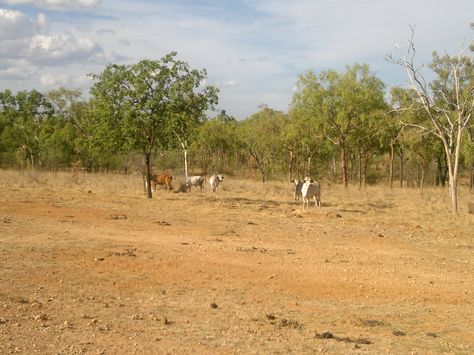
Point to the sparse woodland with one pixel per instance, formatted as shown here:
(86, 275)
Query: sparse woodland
(346, 127)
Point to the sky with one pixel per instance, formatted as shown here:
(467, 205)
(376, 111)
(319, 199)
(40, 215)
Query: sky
(252, 50)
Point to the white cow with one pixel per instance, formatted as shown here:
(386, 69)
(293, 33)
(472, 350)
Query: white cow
(215, 180)
(311, 189)
(196, 181)
(297, 185)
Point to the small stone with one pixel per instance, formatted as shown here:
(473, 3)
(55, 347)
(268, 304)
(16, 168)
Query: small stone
(327, 335)
(214, 305)
(398, 333)
(41, 316)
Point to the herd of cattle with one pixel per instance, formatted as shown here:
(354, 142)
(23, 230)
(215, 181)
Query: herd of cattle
(196, 181)
(306, 189)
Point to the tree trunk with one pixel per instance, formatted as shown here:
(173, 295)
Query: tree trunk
(442, 170)
(148, 174)
(342, 148)
(453, 191)
(402, 167)
(392, 157)
(297, 167)
(32, 160)
(359, 168)
(291, 165)
(453, 164)
(366, 164)
(185, 162)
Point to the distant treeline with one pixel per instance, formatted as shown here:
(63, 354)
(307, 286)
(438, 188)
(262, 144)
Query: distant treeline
(340, 127)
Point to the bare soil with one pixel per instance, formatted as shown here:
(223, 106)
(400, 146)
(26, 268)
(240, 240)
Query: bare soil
(90, 265)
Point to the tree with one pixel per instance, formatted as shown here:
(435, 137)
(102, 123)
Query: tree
(27, 111)
(63, 131)
(367, 137)
(9, 142)
(336, 101)
(448, 101)
(141, 104)
(191, 112)
(260, 135)
(215, 140)
(303, 139)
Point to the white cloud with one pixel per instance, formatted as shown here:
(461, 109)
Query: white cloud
(21, 37)
(57, 4)
(61, 47)
(229, 83)
(14, 25)
(42, 24)
(252, 50)
(104, 31)
(22, 72)
(124, 42)
(54, 80)
(37, 54)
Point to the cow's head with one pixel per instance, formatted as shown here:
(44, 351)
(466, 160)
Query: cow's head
(220, 177)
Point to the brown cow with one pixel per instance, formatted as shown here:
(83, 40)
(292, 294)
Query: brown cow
(162, 179)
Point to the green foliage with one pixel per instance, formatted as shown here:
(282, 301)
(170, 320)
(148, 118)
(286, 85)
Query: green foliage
(261, 136)
(342, 108)
(23, 116)
(149, 105)
(215, 141)
(142, 106)
(157, 108)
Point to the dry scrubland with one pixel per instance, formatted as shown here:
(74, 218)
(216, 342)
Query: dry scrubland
(89, 265)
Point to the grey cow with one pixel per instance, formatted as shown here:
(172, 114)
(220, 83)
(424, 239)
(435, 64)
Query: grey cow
(195, 181)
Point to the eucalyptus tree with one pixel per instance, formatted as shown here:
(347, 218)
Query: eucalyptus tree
(26, 111)
(423, 149)
(63, 131)
(400, 99)
(143, 105)
(214, 142)
(448, 101)
(305, 143)
(336, 101)
(261, 136)
(191, 111)
(367, 137)
(9, 142)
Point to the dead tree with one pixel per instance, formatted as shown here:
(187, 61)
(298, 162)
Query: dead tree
(448, 102)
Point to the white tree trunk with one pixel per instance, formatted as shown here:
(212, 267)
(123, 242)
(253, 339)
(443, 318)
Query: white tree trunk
(186, 162)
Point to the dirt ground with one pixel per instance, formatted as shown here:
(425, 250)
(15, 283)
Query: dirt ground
(89, 265)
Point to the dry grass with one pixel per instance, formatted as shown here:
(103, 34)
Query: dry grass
(88, 264)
